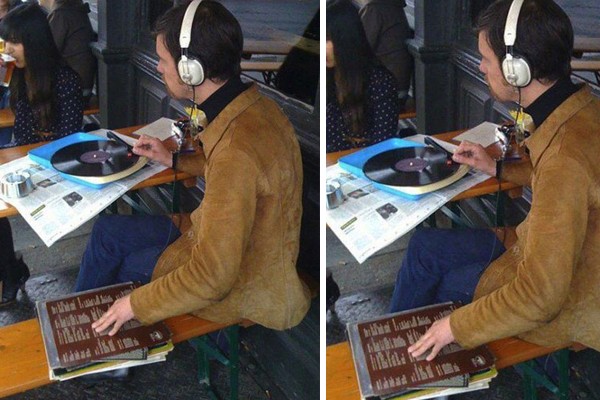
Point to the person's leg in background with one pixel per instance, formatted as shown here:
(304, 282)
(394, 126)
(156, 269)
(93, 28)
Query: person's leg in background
(5, 133)
(13, 271)
(123, 248)
(443, 265)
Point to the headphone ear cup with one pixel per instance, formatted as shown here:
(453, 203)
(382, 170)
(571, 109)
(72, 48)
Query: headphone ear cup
(516, 71)
(190, 71)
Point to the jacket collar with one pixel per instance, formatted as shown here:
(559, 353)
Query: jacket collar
(541, 138)
(214, 131)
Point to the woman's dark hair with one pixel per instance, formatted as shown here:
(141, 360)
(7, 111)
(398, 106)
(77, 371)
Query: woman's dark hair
(28, 25)
(353, 61)
(217, 39)
(544, 36)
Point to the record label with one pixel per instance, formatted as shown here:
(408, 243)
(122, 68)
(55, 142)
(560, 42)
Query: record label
(409, 166)
(95, 158)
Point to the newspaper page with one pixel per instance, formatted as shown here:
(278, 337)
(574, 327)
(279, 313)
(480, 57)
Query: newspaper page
(58, 206)
(370, 219)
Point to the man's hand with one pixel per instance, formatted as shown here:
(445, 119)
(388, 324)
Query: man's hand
(154, 149)
(435, 338)
(117, 315)
(474, 155)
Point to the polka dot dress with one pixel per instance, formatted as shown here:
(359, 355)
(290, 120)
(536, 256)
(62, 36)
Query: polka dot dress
(382, 112)
(68, 115)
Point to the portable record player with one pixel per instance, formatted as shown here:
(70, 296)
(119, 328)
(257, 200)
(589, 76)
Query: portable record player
(88, 159)
(403, 167)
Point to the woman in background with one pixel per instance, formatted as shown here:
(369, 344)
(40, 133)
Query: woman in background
(73, 33)
(362, 95)
(5, 133)
(46, 97)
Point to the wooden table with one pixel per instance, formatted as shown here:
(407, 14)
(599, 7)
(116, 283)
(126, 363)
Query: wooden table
(260, 39)
(583, 44)
(165, 176)
(486, 187)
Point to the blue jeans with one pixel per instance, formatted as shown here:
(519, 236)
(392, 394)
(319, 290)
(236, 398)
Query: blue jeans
(443, 265)
(124, 248)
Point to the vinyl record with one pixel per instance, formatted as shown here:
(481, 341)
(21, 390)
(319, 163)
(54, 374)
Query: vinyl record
(409, 166)
(93, 158)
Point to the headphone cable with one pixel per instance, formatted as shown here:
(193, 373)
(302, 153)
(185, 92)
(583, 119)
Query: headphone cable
(499, 191)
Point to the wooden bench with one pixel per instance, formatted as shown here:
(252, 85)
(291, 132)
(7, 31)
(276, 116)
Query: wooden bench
(343, 385)
(7, 118)
(24, 364)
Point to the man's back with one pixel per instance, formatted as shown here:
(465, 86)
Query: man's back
(241, 251)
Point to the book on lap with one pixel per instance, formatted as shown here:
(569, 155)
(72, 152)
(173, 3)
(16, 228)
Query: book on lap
(386, 370)
(73, 348)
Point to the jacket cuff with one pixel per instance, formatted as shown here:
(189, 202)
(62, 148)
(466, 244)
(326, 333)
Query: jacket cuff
(139, 311)
(462, 335)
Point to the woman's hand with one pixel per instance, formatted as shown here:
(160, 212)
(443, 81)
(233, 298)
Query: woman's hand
(154, 149)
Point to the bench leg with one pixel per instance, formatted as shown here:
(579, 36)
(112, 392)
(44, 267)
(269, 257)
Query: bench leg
(531, 377)
(562, 358)
(530, 391)
(206, 349)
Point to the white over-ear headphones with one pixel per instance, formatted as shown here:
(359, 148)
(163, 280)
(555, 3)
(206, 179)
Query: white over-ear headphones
(190, 68)
(515, 68)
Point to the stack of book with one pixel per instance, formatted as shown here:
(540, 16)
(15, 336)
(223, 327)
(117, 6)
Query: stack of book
(74, 349)
(386, 370)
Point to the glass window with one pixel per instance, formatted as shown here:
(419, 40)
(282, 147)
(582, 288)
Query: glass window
(281, 41)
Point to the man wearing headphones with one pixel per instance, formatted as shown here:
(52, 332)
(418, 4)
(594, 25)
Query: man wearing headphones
(236, 256)
(544, 288)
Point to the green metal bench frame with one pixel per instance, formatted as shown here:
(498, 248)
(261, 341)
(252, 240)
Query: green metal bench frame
(532, 378)
(206, 349)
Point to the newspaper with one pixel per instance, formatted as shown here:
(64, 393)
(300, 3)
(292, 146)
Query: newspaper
(58, 206)
(370, 219)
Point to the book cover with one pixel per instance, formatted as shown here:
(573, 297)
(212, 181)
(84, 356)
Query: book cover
(70, 341)
(383, 364)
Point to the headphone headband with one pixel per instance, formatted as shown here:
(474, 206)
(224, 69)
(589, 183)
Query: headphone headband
(190, 68)
(185, 35)
(510, 29)
(515, 68)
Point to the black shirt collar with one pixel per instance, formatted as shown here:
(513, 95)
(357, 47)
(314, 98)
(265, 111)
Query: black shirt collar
(217, 101)
(543, 106)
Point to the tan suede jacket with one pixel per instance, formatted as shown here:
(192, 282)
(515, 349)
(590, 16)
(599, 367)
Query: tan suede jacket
(546, 288)
(238, 260)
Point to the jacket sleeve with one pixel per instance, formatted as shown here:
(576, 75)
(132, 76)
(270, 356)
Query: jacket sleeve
(59, 27)
(69, 105)
(517, 172)
(384, 106)
(557, 226)
(228, 211)
(371, 23)
(193, 164)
